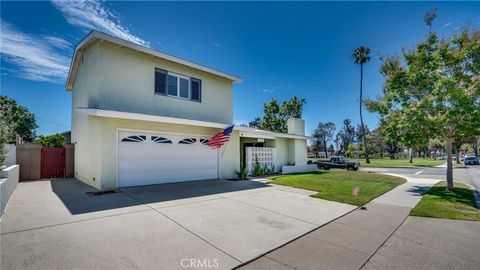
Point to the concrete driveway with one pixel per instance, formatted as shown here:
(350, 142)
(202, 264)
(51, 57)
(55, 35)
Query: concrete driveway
(204, 224)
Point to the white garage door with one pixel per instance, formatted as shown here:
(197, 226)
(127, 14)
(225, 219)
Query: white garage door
(146, 159)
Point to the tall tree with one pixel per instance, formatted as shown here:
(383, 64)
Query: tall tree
(276, 115)
(345, 136)
(429, 17)
(361, 55)
(16, 120)
(324, 134)
(255, 123)
(358, 132)
(434, 90)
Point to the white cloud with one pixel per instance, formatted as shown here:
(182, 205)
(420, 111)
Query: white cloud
(270, 90)
(57, 42)
(32, 57)
(91, 14)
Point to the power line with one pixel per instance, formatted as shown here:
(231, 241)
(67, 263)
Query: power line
(52, 122)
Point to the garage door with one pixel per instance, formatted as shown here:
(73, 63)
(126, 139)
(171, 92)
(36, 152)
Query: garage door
(146, 159)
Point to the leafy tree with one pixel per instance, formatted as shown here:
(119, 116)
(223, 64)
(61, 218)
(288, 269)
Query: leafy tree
(324, 134)
(256, 123)
(3, 144)
(388, 133)
(54, 140)
(331, 148)
(276, 114)
(345, 136)
(429, 17)
(361, 55)
(434, 91)
(358, 132)
(434, 146)
(16, 119)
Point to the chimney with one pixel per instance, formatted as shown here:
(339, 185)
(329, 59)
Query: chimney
(296, 126)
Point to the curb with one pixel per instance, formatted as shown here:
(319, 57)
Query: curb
(476, 195)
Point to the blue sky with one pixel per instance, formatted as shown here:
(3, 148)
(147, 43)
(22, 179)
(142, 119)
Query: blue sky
(280, 49)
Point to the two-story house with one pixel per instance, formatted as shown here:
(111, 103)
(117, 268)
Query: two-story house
(143, 117)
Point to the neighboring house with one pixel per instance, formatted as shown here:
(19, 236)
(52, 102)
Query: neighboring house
(142, 117)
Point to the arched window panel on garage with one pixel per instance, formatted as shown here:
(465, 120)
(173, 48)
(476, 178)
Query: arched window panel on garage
(159, 139)
(188, 141)
(135, 138)
(204, 141)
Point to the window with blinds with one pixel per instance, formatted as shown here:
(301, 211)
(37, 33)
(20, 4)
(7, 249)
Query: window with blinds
(176, 85)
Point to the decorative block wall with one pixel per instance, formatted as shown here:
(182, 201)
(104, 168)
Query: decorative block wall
(265, 156)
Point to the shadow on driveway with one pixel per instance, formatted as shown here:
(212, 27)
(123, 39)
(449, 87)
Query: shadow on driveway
(73, 194)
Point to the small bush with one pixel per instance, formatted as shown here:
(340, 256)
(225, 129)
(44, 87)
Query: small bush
(242, 174)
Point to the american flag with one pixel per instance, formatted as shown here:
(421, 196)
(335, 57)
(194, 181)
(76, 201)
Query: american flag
(219, 139)
(355, 191)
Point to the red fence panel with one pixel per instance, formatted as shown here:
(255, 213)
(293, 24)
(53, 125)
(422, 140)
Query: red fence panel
(53, 162)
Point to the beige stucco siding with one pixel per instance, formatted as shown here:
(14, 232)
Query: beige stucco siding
(86, 130)
(124, 81)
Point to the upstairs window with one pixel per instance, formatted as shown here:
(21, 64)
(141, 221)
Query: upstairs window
(176, 85)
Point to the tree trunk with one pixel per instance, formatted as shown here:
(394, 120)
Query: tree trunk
(457, 156)
(325, 148)
(475, 147)
(367, 160)
(410, 155)
(448, 145)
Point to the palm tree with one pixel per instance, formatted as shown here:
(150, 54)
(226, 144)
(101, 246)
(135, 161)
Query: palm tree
(428, 19)
(361, 55)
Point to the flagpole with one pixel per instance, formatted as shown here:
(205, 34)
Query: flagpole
(218, 164)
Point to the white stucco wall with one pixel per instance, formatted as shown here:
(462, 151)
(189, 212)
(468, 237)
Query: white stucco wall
(280, 153)
(300, 152)
(8, 182)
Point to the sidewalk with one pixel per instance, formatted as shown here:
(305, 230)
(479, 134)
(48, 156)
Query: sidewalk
(350, 241)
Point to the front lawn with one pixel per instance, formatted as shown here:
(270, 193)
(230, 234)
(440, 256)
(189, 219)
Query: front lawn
(417, 162)
(439, 202)
(337, 186)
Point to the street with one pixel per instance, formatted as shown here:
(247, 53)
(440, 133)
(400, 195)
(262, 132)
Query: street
(469, 175)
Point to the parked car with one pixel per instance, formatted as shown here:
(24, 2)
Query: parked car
(338, 163)
(471, 160)
(442, 157)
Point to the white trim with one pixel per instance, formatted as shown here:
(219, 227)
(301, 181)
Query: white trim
(244, 131)
(179, 76)
(148, 117)
(94, 35)
(152, 131)
(263, 134)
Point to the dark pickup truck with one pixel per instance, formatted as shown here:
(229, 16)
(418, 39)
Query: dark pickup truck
(337, 163)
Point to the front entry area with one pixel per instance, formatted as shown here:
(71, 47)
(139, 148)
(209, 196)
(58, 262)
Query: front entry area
(157, 158)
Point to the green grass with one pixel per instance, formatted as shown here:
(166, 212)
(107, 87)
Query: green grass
(417, 162)
(337, 186)
(441, 203)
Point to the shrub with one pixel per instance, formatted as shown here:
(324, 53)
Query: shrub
(242, 174)
(54, 140)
